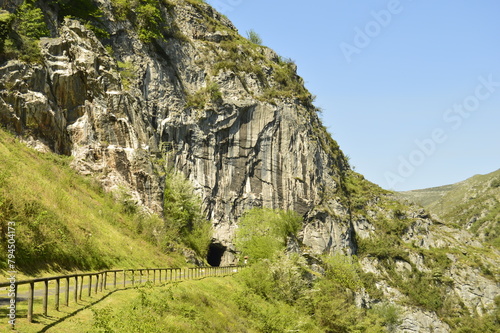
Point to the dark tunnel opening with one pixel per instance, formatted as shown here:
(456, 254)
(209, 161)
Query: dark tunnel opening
(215, 253)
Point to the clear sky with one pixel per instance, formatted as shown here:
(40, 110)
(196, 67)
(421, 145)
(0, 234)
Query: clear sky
(410, 89)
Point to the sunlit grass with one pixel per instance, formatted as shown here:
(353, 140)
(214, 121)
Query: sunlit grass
(64, 221)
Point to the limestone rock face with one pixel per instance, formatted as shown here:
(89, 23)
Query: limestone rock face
(74, 104)
(415, 320)
(126, 113)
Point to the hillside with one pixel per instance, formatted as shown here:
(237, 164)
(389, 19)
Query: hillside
(473, 204)
(164, 102)
(64, 221)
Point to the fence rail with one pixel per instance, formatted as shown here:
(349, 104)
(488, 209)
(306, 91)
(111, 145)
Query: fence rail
(74, 283)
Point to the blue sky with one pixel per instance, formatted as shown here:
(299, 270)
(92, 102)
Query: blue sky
(410, 89)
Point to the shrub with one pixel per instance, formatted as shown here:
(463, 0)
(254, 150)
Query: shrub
(30, 51)
(390, 315)
(121, 8)
(127, 73)
(144, 14)
(288, 274)
(83, 9)
(149, 20)
(20, 33)
(199, 99)
(183, 215)
(31, 21)
(5, 27)
(343, 271)
(262, 232)
(254, 37)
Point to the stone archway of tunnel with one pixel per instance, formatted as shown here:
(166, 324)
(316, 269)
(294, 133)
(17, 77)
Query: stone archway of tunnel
(215, 253)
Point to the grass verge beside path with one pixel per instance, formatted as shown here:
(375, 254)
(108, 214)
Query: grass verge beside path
(215, 304)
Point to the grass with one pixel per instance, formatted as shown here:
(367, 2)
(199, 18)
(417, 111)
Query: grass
(208, 305)
(64, 221)
(473, 204)
(83, 315)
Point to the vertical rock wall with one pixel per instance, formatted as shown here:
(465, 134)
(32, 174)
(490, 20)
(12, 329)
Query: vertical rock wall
(241, 151)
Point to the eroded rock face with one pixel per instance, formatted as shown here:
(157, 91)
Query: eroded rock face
(123, 112)
(416, 320)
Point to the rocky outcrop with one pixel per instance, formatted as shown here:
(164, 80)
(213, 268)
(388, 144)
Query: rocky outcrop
(73, 103)
(416, 320)
(124, 109)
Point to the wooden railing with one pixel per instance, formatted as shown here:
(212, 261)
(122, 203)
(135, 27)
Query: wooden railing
(99, 281)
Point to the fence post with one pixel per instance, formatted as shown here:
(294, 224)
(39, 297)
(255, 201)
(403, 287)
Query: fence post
(154, 276)
(45, 297)
(76, 289)
(30, 302)
(133, 277)
(81, 288)
(96, 287)
(159, 277)
(103, 277)
(114, 280)
(57, 294)
(67, 291)
(90, 284)
(124, 279)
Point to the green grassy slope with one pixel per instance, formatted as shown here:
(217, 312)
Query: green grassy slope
(64, 221)
(428, 196)
(473, 204)
(208, 305)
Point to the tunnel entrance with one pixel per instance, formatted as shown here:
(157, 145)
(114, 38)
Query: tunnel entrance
(215, 253)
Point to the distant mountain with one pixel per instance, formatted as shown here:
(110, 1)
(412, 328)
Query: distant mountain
(473, 204)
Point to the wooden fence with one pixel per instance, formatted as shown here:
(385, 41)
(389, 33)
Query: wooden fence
(96, 282)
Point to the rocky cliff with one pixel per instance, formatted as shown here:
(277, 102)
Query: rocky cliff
(231, 115)
(132, 89)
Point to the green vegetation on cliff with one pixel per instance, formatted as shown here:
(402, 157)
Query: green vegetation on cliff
(473, 204)
(20, 33)
(64, 221)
